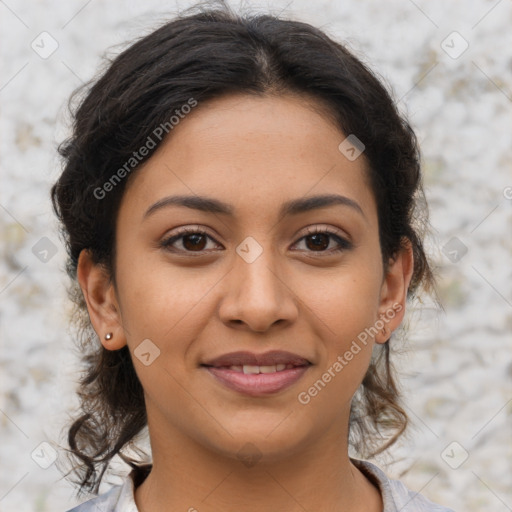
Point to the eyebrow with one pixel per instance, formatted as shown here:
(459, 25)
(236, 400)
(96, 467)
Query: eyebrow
(293, 207)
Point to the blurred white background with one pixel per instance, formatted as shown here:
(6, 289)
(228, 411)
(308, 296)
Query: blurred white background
(456, 89)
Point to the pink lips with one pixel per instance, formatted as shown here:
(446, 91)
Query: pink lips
(249, 358)
(291, 368)
(260, 383)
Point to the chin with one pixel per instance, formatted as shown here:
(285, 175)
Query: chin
(266, 445)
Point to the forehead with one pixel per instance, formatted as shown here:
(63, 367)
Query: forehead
(254, 152)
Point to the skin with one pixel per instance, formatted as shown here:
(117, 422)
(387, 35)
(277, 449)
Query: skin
(253, 153)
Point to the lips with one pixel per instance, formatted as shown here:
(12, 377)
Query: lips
(257, 374)
(255, 369)
(267, 359)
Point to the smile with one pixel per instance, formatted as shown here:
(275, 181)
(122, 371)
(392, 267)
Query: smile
(247, 368)
(257, 380)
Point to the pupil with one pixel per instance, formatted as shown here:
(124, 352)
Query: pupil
(195, 240)
(319, 241)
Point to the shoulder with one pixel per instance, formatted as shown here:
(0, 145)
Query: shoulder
(120, 498)
(395, 495)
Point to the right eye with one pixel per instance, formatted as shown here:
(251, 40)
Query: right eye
(192, 239)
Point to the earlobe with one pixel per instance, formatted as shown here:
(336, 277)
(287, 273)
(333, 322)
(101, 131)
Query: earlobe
(394, 291)
(101, 302)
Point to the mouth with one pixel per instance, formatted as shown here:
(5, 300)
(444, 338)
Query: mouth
(257, 374)
(250, 369)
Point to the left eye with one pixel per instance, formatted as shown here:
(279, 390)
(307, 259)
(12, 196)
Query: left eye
(195, 240)
(320, 240)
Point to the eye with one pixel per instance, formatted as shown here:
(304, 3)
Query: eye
(318, 240)
(191, 239)
(196, 239)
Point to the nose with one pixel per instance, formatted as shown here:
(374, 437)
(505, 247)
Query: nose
(258, 295)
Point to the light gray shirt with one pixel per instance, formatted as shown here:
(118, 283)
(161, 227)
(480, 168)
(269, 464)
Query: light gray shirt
(395, 496)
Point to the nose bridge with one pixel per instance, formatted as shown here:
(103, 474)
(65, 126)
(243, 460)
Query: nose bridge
(256, 295)
(255, 269)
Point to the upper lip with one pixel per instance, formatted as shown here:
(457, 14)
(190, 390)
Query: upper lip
(270, 358)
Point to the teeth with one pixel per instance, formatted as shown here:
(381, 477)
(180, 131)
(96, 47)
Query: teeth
(251, 369)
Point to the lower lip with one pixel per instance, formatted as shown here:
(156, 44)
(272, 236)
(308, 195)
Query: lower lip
(258, 384)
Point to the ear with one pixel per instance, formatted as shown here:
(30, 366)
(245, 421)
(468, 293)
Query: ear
(394, 288)
(101, 301)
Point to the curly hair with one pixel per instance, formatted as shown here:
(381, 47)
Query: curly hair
(204, 55)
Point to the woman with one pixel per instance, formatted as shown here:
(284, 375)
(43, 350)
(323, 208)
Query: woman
(237, 201)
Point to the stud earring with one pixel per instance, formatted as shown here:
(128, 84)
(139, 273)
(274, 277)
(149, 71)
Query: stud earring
(108, 336)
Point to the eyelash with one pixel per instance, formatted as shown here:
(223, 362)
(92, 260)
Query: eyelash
(343, 244)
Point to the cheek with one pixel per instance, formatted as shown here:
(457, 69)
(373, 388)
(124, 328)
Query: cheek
(161, 301)
(168, 306)
(344, 302)
(343, 308)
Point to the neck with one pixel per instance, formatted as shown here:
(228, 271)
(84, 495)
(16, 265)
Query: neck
(318, 476)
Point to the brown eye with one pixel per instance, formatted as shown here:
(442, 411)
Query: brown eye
(319, 241)
(192, 240)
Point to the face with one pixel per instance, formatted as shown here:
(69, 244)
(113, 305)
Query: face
(259, 267)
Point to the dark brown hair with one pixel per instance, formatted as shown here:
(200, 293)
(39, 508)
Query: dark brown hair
(204, 55)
